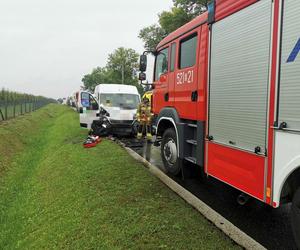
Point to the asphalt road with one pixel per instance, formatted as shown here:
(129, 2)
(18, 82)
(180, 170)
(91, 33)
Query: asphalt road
(270, 227)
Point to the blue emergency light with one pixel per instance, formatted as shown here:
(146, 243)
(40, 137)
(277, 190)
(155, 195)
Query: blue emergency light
(211, 12)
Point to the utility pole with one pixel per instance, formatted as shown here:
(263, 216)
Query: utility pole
(123, 73)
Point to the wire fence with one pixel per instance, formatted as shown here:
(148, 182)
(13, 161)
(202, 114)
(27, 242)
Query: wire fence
(13, 104)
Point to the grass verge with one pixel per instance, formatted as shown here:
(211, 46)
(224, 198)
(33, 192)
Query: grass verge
(55, 194)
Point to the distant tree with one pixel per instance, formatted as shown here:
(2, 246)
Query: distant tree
(151, 36)
(122, 63)
(98, 75)
(121, 68)
(192, 7)
(182, 12)
(172, 20)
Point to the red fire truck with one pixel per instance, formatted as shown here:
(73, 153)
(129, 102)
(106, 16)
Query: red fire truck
(227, 98)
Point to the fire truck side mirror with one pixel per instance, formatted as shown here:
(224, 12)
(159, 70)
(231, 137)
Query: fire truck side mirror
(163, 78)
(143, 63)
(142, 76)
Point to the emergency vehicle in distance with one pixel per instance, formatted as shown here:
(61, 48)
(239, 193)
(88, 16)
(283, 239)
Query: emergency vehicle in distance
(72, 100)
(227, 98)
(117, 102)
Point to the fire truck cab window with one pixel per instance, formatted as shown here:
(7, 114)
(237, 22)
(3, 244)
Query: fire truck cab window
(188, 48)
(161, 65)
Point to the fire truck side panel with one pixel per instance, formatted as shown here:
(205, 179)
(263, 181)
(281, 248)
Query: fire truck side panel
(287, 139)
(239, 79)
(237, 168)
(186, 79)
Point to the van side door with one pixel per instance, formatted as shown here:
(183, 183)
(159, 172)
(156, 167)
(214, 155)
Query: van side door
(88, 110)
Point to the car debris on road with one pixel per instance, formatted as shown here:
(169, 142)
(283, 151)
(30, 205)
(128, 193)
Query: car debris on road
(91, 141)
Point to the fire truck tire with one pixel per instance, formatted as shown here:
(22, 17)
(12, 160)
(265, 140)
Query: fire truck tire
(295, 217)
(169, 152)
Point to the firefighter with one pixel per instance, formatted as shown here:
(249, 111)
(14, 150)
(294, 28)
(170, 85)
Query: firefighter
(144, 117)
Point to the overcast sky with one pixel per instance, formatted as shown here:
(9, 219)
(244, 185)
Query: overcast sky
(46, 46)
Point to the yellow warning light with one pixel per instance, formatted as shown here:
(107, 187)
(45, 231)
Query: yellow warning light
(268, 192)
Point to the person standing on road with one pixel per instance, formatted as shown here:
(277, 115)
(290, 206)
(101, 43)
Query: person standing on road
(144, 117)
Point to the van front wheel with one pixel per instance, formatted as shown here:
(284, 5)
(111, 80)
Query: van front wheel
(295, 217)
(169, 152)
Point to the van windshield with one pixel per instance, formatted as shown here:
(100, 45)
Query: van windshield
(123, 101)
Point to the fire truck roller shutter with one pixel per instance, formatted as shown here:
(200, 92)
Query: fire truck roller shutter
(239, 76)
(289, 100)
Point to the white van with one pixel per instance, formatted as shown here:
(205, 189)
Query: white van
(119, 101)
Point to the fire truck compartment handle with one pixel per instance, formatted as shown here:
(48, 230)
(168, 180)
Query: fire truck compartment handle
(232, 142)
(283, 127)
(194, 96)
(166, 97)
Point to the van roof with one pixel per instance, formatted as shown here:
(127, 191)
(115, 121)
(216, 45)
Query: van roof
(116, 88)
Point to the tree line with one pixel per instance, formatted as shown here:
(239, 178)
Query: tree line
(122, 64)
(13, 96)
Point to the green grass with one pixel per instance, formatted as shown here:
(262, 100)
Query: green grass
(55, 194)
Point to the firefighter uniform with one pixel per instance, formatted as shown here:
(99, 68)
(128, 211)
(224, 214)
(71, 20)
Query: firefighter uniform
(144, 117)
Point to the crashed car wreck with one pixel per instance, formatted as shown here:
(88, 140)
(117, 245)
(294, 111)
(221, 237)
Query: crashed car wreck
(105, 126)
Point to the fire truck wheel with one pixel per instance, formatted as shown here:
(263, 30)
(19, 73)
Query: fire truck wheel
(169, 152)
(295, 217)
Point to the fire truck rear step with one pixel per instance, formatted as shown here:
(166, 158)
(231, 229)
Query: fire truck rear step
(192, 125)
(193, 142)
(191, 159)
